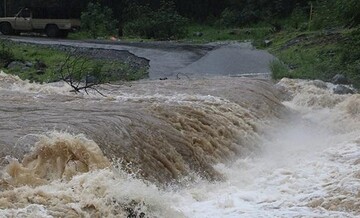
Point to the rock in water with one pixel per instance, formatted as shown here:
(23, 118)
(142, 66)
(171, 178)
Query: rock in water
(339, 79)
(342, 90)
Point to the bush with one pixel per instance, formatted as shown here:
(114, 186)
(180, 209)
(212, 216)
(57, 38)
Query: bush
(324, 15)
(297, 19)
(98, 20)
(333, 13)
(165, 23)
(229, 18)
(349, 12)
(133, 11)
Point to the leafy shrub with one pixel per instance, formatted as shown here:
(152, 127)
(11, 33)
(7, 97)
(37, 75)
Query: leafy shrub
(164, 23)
(349, 11)
(297, 18)
(229, 18)
(324, 15)
(332, 13)
(133, 11)
(98, 20)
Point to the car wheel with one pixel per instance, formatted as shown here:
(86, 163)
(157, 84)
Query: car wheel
(52, 31)
(6, 29)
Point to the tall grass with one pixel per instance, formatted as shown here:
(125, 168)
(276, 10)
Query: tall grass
(54, 58)
(279, 70)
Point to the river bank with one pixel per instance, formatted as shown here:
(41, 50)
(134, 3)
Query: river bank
(317, 55)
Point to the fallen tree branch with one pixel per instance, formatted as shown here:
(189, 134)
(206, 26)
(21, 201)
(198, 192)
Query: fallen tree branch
(76, 70)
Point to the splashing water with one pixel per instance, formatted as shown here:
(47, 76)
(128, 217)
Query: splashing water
(309, 167)
(223, 147)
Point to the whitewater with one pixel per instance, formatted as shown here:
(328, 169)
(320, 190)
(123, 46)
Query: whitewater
(215, 147)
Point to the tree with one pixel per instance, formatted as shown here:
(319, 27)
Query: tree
(98, 20)
(163, 23)
(349, 11)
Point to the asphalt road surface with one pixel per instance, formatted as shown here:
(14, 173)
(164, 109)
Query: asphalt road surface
(171, 59)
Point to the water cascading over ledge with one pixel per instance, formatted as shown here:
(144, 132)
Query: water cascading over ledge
(161, 131)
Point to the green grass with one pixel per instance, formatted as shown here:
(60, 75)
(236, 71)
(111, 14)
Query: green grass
(32, 53)
(210, 33)
(310, 63)
(54, 59)
(301, 54)
(315, 55)
(79, 35)
(279, 69)
(214, 33)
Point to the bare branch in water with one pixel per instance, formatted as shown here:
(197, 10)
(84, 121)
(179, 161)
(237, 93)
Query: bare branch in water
(76, 71)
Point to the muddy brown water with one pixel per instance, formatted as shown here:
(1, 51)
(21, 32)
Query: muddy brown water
(165, 130)
(159, 149)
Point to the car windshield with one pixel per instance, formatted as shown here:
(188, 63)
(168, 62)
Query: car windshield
(25, 13)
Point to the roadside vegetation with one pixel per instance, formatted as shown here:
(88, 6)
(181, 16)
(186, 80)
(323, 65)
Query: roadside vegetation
(47, 64)
(97, 21)
(324, 45)
(317, 55)
(163, 23)
(312, 39)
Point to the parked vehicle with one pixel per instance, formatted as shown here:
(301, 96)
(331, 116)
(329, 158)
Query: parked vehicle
(52, 22)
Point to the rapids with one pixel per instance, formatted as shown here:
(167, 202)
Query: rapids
(217, 147)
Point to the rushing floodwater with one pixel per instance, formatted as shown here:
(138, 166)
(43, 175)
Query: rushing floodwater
(220, 147)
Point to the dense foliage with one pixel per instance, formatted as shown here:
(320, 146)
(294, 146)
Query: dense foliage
(231, 12)
(98, 20)
(313, 39)
(163, 23)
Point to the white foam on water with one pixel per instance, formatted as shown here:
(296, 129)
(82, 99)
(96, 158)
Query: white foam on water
(33, 210)
(106, 193)
(86, 186)
(161, 98)
(308, 167)
(282, 183)
(15, 84)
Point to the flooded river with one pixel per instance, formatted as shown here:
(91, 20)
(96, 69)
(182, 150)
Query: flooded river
(216, 147)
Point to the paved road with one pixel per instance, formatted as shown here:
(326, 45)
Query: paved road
(168, 59)
(234, 59)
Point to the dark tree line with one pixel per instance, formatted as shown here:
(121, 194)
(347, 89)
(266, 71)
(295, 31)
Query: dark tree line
(74, 8)
(246, 11)
(197, 10)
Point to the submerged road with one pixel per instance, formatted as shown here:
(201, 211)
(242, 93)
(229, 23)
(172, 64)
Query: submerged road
(171, 59)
